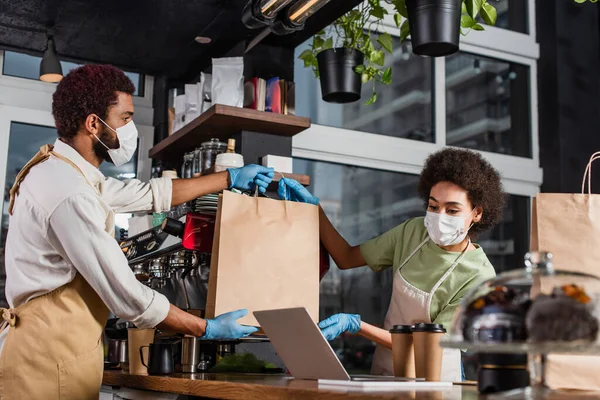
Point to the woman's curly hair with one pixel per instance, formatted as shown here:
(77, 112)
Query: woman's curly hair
(473, 173)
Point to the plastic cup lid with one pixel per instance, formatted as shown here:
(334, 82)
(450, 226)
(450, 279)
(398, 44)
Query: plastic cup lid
(401, 329)
(433, 328)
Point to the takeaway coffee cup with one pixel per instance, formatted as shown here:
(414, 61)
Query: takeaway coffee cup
(403, 353)
(428, 353)
(138, 338)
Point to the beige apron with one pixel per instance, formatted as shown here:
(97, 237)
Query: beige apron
(410, 305)
(53, 349)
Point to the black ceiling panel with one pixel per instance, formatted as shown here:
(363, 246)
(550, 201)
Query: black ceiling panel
(149, 36)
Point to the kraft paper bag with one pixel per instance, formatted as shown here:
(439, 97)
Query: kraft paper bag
(568, 226)
(265, 256)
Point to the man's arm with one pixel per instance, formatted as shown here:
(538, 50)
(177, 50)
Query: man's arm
(76, 230)
(245, 178)
(163, 193)
(98, 258)
(160, 194)
(180, 321)
(185, 190)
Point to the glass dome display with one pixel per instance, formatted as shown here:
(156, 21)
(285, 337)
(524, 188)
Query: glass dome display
(536, 310)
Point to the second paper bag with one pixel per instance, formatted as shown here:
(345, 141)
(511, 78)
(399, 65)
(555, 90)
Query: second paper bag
(265, 256)
(568, 226)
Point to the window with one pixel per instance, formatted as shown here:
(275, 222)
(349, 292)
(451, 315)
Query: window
(403, 109)
(507, 244)
(26, 66)
(488, 105)
(25, 140)
(512, 15)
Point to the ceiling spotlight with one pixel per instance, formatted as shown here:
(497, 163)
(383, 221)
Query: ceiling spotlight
(294, 17)
(258, 13)
(50, 68)
(202, 39)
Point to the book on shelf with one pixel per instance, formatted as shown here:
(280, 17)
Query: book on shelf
(271, 95)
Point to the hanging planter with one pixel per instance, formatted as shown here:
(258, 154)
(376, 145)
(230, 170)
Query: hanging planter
(434, 26)
(340, 83)
(349, 53)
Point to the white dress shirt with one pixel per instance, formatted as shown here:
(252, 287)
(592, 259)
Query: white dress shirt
(59, 227)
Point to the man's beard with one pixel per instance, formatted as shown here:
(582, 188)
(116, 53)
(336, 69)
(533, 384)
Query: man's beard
(102, 152)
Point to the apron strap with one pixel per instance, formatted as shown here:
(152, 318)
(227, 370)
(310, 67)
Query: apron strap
(44, 154)
(9, 318)
(443, 278)
(411, 255)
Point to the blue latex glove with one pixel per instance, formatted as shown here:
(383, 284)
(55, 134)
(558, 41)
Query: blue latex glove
(251, 176)
(225, 327)
(289, 189)
(337, 324)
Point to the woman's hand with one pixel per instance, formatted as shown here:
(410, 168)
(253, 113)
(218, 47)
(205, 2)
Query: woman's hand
(337, 324)
(289, 189)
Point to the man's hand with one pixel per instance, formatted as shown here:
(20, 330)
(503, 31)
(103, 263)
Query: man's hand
(251, 176)
(225, 327)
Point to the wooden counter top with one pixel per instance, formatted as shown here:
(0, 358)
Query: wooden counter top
(266, 387)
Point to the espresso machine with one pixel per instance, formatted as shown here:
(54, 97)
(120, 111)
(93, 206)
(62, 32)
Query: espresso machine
(174, 259)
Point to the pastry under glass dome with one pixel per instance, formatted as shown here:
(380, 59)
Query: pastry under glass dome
(536, 310)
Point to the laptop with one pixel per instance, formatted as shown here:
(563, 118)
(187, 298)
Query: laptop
(307, 354)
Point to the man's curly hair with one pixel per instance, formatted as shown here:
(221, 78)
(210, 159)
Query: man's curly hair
(473, 173)
(89, 89)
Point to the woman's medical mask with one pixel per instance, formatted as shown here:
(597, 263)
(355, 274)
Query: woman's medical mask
(446, 230)
(128, 136)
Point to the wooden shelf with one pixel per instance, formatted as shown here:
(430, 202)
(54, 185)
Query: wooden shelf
(222, 122)
(304, 180)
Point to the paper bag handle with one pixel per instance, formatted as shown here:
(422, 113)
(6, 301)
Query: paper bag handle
(284, 200)
(256, 186)
(588, 174)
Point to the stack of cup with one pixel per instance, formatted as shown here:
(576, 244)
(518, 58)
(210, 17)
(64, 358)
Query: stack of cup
(416, 351)
(403, 351)
(428, 352)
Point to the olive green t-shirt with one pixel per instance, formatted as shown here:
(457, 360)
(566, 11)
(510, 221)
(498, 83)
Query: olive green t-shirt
(428, 265)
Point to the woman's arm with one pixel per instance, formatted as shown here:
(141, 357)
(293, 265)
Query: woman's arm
(337, 324)
(379, 251)
(375, 334)
(344, 255)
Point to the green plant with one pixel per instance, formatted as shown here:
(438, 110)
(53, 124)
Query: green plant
(361, 29)
(358, 30)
